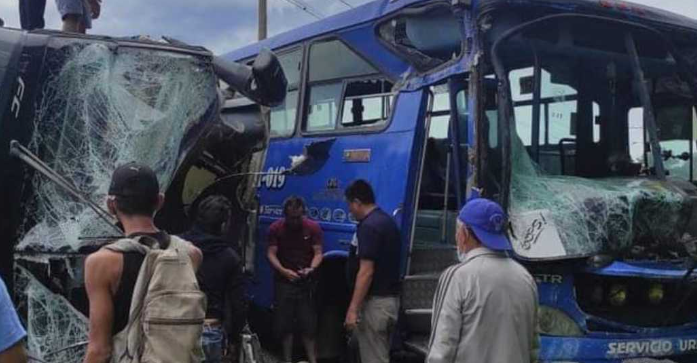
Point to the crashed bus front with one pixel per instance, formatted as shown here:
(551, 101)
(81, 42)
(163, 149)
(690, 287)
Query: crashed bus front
(593, 142)
(85, 105)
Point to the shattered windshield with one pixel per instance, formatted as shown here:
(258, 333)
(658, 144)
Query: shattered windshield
(579, 184)
(99, 106)
(102, 106)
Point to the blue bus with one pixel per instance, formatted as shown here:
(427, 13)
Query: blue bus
(576, 115)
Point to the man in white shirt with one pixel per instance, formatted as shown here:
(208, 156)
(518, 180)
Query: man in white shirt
(485, 308)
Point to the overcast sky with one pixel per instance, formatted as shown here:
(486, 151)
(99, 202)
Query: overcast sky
(221, 25)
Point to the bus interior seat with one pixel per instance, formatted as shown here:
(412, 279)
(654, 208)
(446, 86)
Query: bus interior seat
(429, 227)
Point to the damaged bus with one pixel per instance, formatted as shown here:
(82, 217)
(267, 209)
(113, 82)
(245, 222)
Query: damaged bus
(77, 107)
(577, 115)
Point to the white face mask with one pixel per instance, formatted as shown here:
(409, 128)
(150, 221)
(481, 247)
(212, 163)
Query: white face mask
(461, 256)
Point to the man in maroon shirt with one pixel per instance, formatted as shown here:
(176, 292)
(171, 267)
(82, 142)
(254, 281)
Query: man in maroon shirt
(295, 252)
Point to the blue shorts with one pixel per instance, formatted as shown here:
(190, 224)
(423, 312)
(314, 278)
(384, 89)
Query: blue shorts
(212, 343)
(76, 7)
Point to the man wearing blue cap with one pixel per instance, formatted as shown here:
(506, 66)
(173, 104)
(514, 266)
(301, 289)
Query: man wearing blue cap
(485, 308)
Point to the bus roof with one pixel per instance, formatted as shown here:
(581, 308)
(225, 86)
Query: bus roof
(360, 14)
(380, 8)
(610, 8)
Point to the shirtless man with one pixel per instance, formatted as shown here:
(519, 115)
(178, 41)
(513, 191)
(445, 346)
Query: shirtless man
(134, 197)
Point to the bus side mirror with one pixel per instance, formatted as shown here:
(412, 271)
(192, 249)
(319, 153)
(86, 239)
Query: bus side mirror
(264, 82)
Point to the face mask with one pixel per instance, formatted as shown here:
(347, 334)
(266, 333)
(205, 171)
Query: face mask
(461, 256)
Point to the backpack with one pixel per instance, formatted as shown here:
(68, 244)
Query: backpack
(168, 309)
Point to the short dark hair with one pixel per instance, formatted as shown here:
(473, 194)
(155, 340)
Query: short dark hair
(361, 190)
(136, 206)
(294, 202)
(212, 213)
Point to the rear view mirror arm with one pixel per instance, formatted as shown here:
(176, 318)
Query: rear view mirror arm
(264, 82)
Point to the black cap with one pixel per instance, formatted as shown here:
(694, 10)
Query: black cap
(134, 180)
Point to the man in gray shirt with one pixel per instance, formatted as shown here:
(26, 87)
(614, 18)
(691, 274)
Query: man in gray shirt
(485, 308)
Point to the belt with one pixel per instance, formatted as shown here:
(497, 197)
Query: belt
(212, 323)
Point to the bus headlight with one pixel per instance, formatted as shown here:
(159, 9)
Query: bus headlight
(655, 294)
(558, 323)
(618, 295)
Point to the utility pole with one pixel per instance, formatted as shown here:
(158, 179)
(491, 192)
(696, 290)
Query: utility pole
(262, 19)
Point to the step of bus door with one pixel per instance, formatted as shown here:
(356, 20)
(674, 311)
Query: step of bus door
(418, 291)
(417, 343)
(418, 321)
(431, 259)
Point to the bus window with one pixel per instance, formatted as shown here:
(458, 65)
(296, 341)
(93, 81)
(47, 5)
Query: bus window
(557, 118)
(678, 146)
(366, 103)
(321, 115)
(331, 63)
(425, 39)
(440, 113)
(282, 119)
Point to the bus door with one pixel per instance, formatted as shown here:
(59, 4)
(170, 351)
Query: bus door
(441, 191)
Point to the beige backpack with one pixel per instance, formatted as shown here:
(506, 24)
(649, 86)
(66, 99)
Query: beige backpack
(168, 308)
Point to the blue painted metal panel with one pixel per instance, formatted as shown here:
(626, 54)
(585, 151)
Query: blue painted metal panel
(647, 269)
(390, 165)
(610, 346)
(609, 350)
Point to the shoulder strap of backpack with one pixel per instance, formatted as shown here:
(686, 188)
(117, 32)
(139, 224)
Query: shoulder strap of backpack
(141, 243)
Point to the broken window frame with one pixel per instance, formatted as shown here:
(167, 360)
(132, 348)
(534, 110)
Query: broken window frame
(670, 192)
(422, 63)
(293, 88)
(340, 81)
(505, 97)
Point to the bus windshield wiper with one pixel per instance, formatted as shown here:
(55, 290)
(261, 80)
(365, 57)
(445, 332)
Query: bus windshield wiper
(24, 154)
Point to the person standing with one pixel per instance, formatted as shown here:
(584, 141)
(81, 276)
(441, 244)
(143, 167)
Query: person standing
(220, 278)
(12, 333)
(372, 313)
(77, 15)
(295, 253)
(31, 14)
(110, 276)
(485, 308)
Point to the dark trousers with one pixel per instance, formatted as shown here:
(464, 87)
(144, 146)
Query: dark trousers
(295, 308)
(31, 14)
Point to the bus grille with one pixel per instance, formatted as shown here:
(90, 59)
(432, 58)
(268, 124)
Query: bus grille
(636, 302)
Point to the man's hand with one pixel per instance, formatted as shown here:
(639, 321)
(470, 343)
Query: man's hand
(96, 7)
(306, 271)
(290, 275)
(351, 321)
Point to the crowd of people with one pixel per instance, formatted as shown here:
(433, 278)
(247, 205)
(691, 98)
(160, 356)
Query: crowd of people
(161, 298)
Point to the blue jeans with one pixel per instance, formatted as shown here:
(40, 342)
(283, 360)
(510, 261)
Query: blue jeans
(212, 343)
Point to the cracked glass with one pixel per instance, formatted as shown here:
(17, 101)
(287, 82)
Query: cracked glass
(100, 106)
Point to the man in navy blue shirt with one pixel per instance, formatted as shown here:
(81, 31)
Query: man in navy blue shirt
(372, 313)
(11, 331)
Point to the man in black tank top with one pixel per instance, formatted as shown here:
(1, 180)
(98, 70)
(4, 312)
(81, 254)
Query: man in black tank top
(134, 197)
(220, 278)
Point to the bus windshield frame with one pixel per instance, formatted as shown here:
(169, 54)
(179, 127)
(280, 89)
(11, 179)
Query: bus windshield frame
(601, 209)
